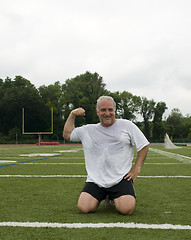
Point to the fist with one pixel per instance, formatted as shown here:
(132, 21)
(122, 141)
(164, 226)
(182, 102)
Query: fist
(78, 112)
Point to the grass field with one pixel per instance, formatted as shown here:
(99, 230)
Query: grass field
(40, 186)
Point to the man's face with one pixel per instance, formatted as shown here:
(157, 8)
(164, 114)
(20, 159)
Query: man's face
(106, 113)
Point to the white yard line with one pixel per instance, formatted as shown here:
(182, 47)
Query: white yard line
(78, 176)
(82, 157)
(164, 176)
(74, 163)
(7, 161)
(164, 163)
(95, 225)
(38, 155)
(84, 163)
(43, 176)
(56, 163)
(78, 163)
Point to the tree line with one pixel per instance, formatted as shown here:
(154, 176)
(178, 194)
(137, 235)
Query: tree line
(80, 91)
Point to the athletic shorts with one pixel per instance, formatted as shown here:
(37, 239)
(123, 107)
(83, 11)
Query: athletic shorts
(124, 187)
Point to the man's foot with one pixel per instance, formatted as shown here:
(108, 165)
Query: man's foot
(108, 202)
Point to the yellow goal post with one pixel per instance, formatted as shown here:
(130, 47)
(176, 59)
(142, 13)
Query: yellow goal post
(36, 133)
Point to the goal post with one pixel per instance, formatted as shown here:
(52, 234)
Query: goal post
(36, 133)
(168, 143)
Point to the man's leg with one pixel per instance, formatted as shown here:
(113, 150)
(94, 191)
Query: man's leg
(87, 203)
(125, 204)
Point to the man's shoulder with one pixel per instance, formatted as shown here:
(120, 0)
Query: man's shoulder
(124, 121)
(89, 126)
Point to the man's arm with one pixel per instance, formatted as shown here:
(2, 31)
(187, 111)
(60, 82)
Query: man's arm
(70, 122)
(141, 156)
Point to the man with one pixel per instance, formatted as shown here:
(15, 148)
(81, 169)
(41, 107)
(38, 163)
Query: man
(108, 150)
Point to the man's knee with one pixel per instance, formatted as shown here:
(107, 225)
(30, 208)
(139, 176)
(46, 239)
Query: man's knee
(125, 204)
(126, 210)
(87, 203)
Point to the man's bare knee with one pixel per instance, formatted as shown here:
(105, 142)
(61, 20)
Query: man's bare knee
(126, 211)
(125, 204)
(87, 203)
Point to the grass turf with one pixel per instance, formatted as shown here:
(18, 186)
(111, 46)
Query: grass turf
(159, 200)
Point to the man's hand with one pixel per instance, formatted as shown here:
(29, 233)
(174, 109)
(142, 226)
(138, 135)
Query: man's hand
(133, 173)
(78, 112)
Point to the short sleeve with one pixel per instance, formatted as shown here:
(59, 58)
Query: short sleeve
(75, 135)
(138, 138)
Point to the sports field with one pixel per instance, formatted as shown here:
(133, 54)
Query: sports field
(40, 185)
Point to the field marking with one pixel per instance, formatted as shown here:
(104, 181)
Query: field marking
(12, 164)
(56, 163)
(95, 225)
(178, 157)
(18, 157)
(78, 163)
(164, 176)
(7, 161)
(72, 150)
(43, 176)
(38, 154)
(82, 163)
(164, 163)
(79, 176)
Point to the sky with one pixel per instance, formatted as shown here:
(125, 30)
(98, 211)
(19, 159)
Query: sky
(139, 46)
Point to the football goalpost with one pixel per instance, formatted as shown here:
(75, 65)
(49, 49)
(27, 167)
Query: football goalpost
(36, 133)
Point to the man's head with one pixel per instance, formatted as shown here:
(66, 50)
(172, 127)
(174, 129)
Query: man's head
(105, 108)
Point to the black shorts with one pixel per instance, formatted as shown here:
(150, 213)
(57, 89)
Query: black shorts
(124, 187)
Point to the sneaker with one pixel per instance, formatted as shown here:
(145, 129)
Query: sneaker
(108, 202)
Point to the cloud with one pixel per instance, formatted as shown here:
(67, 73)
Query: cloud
(141, 46)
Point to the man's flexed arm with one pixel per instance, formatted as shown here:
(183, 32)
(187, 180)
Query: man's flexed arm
(70, 122)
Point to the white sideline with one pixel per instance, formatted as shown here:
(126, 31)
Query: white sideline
(80, 176)
(95, 225)
(178, 157)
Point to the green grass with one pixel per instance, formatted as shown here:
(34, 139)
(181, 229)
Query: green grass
(159, 200)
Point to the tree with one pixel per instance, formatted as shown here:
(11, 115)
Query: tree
(158, 128)
(175, 123)
(187, 127)
(18, 94)
(83, 91)
(147, 112)
(80, 91)
(53, 98)
(128, 105)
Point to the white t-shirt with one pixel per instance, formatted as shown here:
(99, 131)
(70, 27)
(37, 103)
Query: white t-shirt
(109, 151)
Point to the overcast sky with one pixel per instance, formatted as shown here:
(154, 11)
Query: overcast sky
(140, 46)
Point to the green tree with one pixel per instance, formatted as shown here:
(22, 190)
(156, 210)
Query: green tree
(128, 105)
(147, 112)
(174, 123)
(158, 126)
(83, 91)
(187, 127)
(1, 88)
(18, 94)
(53, 98)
